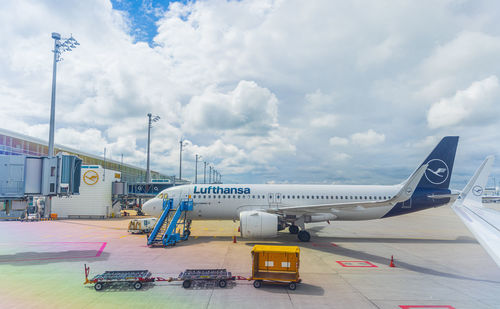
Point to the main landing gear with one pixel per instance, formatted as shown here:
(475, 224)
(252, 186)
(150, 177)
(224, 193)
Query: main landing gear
(303, 235)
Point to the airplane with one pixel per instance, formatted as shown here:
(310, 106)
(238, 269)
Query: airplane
(483, 222)
(265, 209)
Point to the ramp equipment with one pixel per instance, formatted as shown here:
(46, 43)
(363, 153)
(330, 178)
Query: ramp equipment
(135, 278)
(220, 276)
(173, 225)
(275, 264)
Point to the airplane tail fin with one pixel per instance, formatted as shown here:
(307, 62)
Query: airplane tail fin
(440, 164)
(473, 191)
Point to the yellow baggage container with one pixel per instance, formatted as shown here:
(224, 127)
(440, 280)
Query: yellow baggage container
(278, 264)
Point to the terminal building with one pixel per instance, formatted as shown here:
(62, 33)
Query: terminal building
(98, 174)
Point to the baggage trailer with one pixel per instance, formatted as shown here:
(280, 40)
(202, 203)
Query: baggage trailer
(135, 278)
(220, 276)
(276, 264)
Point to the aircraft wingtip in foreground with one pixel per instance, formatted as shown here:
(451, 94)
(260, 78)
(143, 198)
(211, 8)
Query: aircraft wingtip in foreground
(483, 222)
(263, 210)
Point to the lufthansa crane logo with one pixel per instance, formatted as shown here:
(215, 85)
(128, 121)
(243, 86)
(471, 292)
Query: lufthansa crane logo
(437, 172)
(90, 177)
(477, 190)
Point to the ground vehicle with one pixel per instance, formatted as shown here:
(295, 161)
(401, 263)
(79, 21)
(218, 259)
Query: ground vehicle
(139, 226)
(277, 264)
(134, 277)
(219, 275)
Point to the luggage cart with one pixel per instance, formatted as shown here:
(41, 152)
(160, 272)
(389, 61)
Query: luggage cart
(136, 278)
(220, 276)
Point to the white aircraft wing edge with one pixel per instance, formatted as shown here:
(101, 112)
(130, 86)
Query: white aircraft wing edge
(484, 223)
(404, 194)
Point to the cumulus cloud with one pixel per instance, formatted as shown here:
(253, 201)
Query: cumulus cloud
(368, 138)
(258, 87)
(248, 109)
(338, 141)
(480, 97)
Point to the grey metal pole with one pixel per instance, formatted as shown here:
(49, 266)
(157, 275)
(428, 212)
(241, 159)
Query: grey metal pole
(148, 173)
(180, 160)
(196, 170)
(204, 172)
(56, 37)
(210, 175)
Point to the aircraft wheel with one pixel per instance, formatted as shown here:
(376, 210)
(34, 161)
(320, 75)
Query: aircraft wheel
(304, 236)
(293, 229)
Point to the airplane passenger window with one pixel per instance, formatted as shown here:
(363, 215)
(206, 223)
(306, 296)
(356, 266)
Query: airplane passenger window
(308, 196)
(322, 197)
(303, 196)
(223, 196)
(288, 196)
(219, 196)
(239, 196)
(317, 196)
(351, 197)
(355, 197)
(327, 197)
(341, 197)
(312, 196)
(253, 196)
(204, 196)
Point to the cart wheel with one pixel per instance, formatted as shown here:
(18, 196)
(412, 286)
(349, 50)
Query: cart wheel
(292, 286)
(222, 283)
(98, 286)
(186, 284)
(137, 285)
(257, 284)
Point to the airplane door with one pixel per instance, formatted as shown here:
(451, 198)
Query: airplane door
(274, 199)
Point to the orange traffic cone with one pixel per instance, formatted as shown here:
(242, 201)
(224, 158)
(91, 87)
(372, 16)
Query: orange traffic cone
(392, 262)
(234, 239)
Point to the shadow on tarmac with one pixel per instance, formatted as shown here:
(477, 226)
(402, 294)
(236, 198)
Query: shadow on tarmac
(41, 258)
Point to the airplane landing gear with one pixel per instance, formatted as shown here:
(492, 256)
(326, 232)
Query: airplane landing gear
(293, 229)
(304, 236)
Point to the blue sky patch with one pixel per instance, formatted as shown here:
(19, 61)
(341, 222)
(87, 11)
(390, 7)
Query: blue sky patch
(143, 15)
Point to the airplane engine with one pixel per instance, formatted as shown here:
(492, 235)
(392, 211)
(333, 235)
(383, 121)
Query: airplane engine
(258, 224)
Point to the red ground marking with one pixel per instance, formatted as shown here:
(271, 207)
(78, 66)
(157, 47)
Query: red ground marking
(62, 243)
(356, 264)
(425, 306)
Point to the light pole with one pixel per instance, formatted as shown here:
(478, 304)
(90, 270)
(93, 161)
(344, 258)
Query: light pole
(181, 143)
(196, 169)
(151, 119)
(204, 172)
(210, 174)
(61, 45)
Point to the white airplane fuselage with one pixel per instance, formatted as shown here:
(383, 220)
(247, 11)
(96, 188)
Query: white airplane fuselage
(210, 201)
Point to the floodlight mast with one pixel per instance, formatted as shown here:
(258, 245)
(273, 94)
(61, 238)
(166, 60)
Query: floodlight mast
(61, 45)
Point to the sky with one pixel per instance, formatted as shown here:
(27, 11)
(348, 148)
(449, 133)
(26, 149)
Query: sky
(267, 91)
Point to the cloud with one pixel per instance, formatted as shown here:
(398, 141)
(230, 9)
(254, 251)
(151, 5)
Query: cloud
(262, 89)
(368, 138)
(480, 97)
(338, 141)
(248, 110)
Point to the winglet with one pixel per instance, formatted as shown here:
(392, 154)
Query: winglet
(409, 186)
(473, 191)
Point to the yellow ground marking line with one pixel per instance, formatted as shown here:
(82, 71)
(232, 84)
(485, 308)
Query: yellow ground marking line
(124, 236)
(196, 237)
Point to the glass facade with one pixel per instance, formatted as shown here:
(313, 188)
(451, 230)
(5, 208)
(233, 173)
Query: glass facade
(17, 144)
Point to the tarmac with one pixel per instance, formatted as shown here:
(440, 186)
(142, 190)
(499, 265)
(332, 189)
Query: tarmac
(438, 263)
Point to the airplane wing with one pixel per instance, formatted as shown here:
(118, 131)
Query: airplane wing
(404, 193)
(483, 222)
